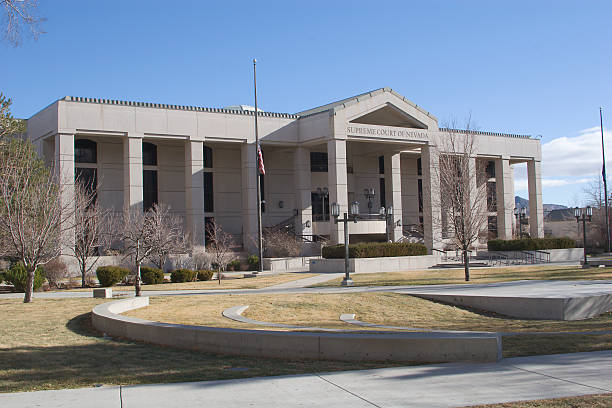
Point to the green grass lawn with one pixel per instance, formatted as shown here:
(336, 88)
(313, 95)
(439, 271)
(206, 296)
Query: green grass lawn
(50, 344)
(477, 275)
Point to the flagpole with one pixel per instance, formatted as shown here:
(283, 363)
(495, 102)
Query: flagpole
(257, 170)
(605, 181)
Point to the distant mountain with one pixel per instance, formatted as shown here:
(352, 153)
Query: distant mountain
(521, 202)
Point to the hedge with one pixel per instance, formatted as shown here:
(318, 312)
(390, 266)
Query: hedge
(110, 275)
(204, 275)
(183, 275)
(151, 276)
(375, 250)
(18, 277)
(530, 244)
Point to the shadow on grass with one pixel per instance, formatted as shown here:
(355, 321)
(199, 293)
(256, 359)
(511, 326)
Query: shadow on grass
(92, 359)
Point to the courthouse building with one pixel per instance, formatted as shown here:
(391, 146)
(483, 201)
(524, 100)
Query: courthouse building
(375, 149)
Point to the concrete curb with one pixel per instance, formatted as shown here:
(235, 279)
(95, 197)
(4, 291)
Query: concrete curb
(413, 347)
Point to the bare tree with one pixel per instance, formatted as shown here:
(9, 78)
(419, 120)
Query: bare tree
(169, 237)
(9, 126)
(141, 235)
(18, 14)
(462, 197)
(91, 225)
(34, 220)
(219, 247)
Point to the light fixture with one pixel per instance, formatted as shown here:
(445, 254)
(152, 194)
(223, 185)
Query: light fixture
(523, 211)
(281, 204)
(390, 210)
(382, 211)
(577, 212)
(335, 210)
(355, 208)
(589, 211)
(307, 224)
(516, 210)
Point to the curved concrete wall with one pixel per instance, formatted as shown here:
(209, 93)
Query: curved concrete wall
(417, 347)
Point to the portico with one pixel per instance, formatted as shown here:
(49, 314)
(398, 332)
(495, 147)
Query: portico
(377, 149)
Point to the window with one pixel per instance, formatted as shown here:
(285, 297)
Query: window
(383, 196)
(208, 158)
(209, 202)
(318, 162)
(491, 196)
(490, 169)
(208, 225)
(419, 167)
(262, 191)
(381, 164)
(420, 193)
(88, 178)
(85, 151)
(492, 227)
(149, 154)
(149, 196)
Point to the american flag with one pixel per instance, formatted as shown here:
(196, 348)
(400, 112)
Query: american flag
(260, 163)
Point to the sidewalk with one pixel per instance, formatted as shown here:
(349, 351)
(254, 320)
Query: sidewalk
(438, 385)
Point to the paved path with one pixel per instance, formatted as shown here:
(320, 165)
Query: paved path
(437, 385)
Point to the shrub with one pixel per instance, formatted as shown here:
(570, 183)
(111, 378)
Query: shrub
(2, 276)
(281, 244)
(205, 275)
(530, 244)
(234, 265)
(110, 275)
(151, 276)
(183, 275)
(55, 271)
(253, 262)
(18, 277)
(375, 250)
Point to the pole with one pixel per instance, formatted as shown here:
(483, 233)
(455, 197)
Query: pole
(584, 239)
(605, 181)
(347, 279)
(259, 228)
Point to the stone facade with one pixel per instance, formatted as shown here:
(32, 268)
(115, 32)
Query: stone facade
(202, 163)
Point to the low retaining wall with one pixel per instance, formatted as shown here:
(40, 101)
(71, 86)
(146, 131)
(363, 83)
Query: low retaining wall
(414, 347)
(283, 264)
(556, 255)
(385, 264)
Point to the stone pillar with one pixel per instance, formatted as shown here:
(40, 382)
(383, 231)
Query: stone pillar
(393, 193)
(536, 211)
(338, 188)
(64, 168)
(432, 215)
(194, 191)
(478, 195)
(132, 172)
(303, 190)
(249, 197)
(505, 199)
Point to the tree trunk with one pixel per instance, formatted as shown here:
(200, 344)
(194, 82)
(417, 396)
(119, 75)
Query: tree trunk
(137, 283)
(219, 275)
(466, 263)
(29, 286)
(83, 273)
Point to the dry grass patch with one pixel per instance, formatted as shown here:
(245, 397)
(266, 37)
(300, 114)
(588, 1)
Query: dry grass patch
(585, 401)
(477, 275)
(324, 310)
(49, 344)
(558, 344)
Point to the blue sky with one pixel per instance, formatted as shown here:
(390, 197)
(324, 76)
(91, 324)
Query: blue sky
(529, 67)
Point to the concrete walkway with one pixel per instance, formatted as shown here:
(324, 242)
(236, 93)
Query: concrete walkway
(438, 385)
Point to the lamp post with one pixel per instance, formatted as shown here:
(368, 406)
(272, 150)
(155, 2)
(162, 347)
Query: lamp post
(354, 214)
(520, 214)
(387, 215)
(583, 214)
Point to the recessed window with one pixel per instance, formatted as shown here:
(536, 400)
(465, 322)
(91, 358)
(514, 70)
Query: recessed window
(85, 151)
(87, 176)
(209, 202)
(318, 162)
(149, 196)
(420, 194)
(383, 194)
(208, 158)
(419, 167)
(149, 154)
(381, 164)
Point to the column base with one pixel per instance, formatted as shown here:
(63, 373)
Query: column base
(347, 282)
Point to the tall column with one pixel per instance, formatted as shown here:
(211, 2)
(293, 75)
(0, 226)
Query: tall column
(303, 190)
(393, 193)
(64, 168)
(249, 197)
(338, 188)
(505, 198)
(194, 191)
(132, 172)
(536, 210)
(432, 215)
(478, 195)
